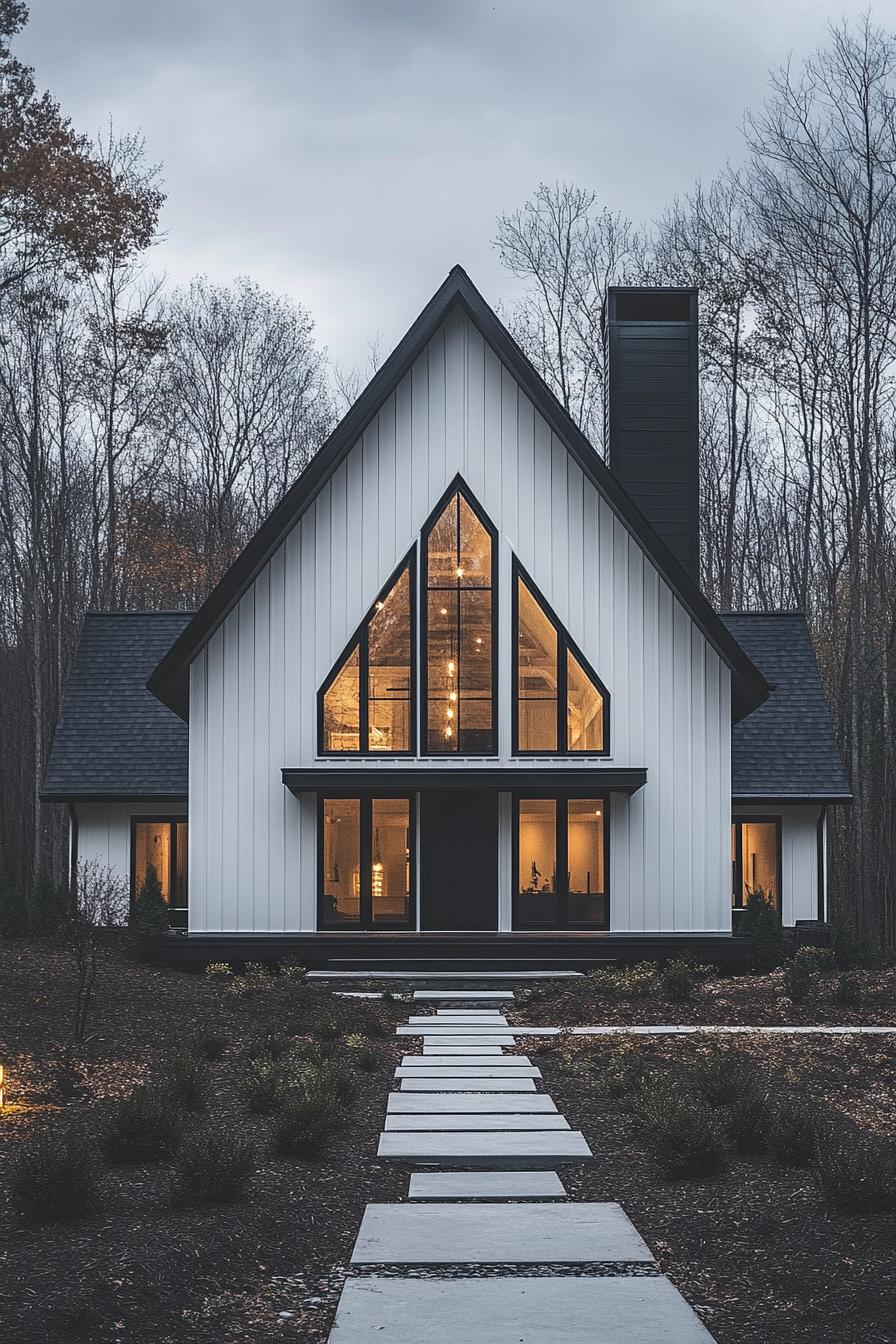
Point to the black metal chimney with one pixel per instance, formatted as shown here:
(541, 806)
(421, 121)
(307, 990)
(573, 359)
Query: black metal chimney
(651, 410)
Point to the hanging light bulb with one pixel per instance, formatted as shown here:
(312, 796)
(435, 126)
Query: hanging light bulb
(449, 731)
(376, 882)
(451, 716)
(452, 695)
(451, 666)
(460, 571)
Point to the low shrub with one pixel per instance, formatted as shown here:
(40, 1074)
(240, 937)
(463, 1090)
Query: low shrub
(207, 1044)
(54, 1175)
(855, 1171)
(219, 970)
(819, 960)
(625, 1075)
(748, 1118)
(186, 1076)
(143, 1127)
(800, 980)
(259, 1080)
(790, 1133)
(679, 978)
(255, 979)
(640, 979)
(761, 923)
(368, 1023)
(213, 1166)
(848, 992)
(720, 1078)
(328, 1030)
(270, 1042)
(364, 1056)
(307, 1120)
(686, 1137)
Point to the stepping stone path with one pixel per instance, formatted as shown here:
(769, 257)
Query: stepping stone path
(494, 1249)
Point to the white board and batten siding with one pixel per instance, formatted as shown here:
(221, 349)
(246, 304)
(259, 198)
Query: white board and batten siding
(799, 856)
(253, 688)
(104, 828)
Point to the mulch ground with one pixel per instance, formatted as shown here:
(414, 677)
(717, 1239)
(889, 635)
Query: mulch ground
(755, 1250)
(139, 1270)
(743, 1000)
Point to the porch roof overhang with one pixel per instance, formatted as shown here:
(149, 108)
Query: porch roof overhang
(403, 779)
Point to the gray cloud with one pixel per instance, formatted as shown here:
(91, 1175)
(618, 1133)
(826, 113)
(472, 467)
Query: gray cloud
(350, 151)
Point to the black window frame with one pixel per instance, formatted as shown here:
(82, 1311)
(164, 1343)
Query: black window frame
(737, 863)
(561, 841)
(365, 920)
(173, 820)
(565, 643)
(361, 640)
(457, 487)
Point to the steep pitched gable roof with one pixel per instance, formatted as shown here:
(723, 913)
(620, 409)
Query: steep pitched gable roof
(115, 739)
(785, 749)
(170, 679)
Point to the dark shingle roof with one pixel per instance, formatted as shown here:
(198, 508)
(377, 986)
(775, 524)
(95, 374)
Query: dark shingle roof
(114, 737)
(786, 748)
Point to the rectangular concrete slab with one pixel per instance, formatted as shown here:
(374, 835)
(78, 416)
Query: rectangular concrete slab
(443, 1084)
(474, 1122)
(474, 1070)
(506, 1039)
(486, 1185)
(519, 1310)
(458, 1061)
(458, 996)
(495, 1051)
(530, 1148)
(468, 1012)
(470, 1103)
(515, 1234)
(496, 1020)
(436, 1026)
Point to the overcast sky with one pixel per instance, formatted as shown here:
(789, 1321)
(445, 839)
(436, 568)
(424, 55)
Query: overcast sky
(349, 152)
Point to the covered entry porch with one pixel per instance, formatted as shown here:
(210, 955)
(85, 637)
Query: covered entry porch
(435, 850)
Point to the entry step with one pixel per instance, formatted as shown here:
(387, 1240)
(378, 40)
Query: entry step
(486, 1185)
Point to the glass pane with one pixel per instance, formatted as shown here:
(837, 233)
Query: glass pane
(584, 709)
(585, 856)
(537, 678)
(442, 671)
(537, 879)
(474, 568)
(152, 844)
(759, 840)
(442, 549)
(389, 673)
(180, 875)
(342, 714)
(390, 879)
(342, 859)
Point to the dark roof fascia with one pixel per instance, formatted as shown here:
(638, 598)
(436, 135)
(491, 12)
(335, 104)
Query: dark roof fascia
(398, 780)
(792, 799)
(55, 796)
(170, 683)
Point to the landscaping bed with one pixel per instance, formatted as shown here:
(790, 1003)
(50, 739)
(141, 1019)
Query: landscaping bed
(632, 997)
(757, 1246)
(141, 1267)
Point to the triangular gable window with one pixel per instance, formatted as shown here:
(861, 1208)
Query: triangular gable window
(560, 705)
(366, 705)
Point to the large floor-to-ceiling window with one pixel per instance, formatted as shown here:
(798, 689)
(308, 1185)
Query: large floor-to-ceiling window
(755, 859)
(561, 863)
(460, 647)
(366, 862)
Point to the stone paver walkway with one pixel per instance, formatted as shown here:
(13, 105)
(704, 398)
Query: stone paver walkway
(488, 1246)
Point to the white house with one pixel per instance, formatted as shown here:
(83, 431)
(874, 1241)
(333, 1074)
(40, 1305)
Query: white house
(461, 697)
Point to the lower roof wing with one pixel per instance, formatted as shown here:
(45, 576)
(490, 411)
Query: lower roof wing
(521, 779)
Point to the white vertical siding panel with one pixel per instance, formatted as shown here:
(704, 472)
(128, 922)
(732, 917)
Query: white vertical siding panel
(699, 818)
(264, 799)
(535, 553)
(475, 444)
(435, 450)
(369, 532)
(385, 497)
(455, 394)
(491, 482)
(636, 738)
(576, 584)
(558, 522)
(215, 727)
(198, 800)
(278, 741)
(339, 545)
(404, 479)
(248, 765)
(522, 521)
(423, 498)
(231, 910)
(509, 447)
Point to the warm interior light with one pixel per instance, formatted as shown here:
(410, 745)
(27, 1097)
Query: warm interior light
(448, 732)
(1, 1087)
(450, 664)
(597, 811)
(443, 611)
(451, 716)
(379, 606)
(460, 572)
(452, 695)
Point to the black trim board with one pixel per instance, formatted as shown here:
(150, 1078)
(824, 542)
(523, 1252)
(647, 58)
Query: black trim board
(395, 781)
(170, 679)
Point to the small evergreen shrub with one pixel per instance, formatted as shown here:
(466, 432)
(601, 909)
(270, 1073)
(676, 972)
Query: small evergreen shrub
(260, 1080)
(219, 970)
(213, 1166)
(143, 1127)
(848, 992)
(686, 1137)
(368, 1023)
(328, 1030)
(800, 981)
(855, 1171)
(207, 1044)
(54, 1175)
(270, 1042)
(819, 960)
(307, 1120)
(762, 925)
(720, 1078)
(625, 1075)
(255, 979)
(148, 918)
(790, 1133)
(749, 1119)
(364, 1056)
(640, 979)
(186, 1077)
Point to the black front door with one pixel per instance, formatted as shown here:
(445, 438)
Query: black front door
(459, 859)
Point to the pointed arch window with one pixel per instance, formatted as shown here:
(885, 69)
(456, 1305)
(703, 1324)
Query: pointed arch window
(561, 707)
(366, 705)
(459, 639)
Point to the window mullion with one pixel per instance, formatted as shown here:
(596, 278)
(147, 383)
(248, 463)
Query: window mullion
(366, 848)
(563, 861)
